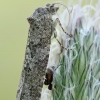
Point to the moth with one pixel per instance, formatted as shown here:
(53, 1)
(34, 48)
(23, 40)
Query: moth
(37, 51)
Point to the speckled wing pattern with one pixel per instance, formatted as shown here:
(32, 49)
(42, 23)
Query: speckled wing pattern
(36, 56)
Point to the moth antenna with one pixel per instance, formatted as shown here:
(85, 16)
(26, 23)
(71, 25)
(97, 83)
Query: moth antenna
(67, 10)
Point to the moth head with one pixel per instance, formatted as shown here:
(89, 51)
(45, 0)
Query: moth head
(51, 8)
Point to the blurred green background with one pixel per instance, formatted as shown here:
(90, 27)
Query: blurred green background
(13, 37)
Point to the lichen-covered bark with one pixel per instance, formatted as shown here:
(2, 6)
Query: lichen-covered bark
(36, 56)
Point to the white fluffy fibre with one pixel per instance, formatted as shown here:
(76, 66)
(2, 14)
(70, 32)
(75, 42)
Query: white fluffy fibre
(46, 94)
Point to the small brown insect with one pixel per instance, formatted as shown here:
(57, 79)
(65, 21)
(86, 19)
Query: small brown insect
(49, 78)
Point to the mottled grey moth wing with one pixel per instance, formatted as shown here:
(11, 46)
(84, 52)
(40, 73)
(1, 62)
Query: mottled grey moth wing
(37, 51)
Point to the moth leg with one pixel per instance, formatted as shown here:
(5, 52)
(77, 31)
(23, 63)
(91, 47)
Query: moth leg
(55, 36)
(57, 20)
(55, 33)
